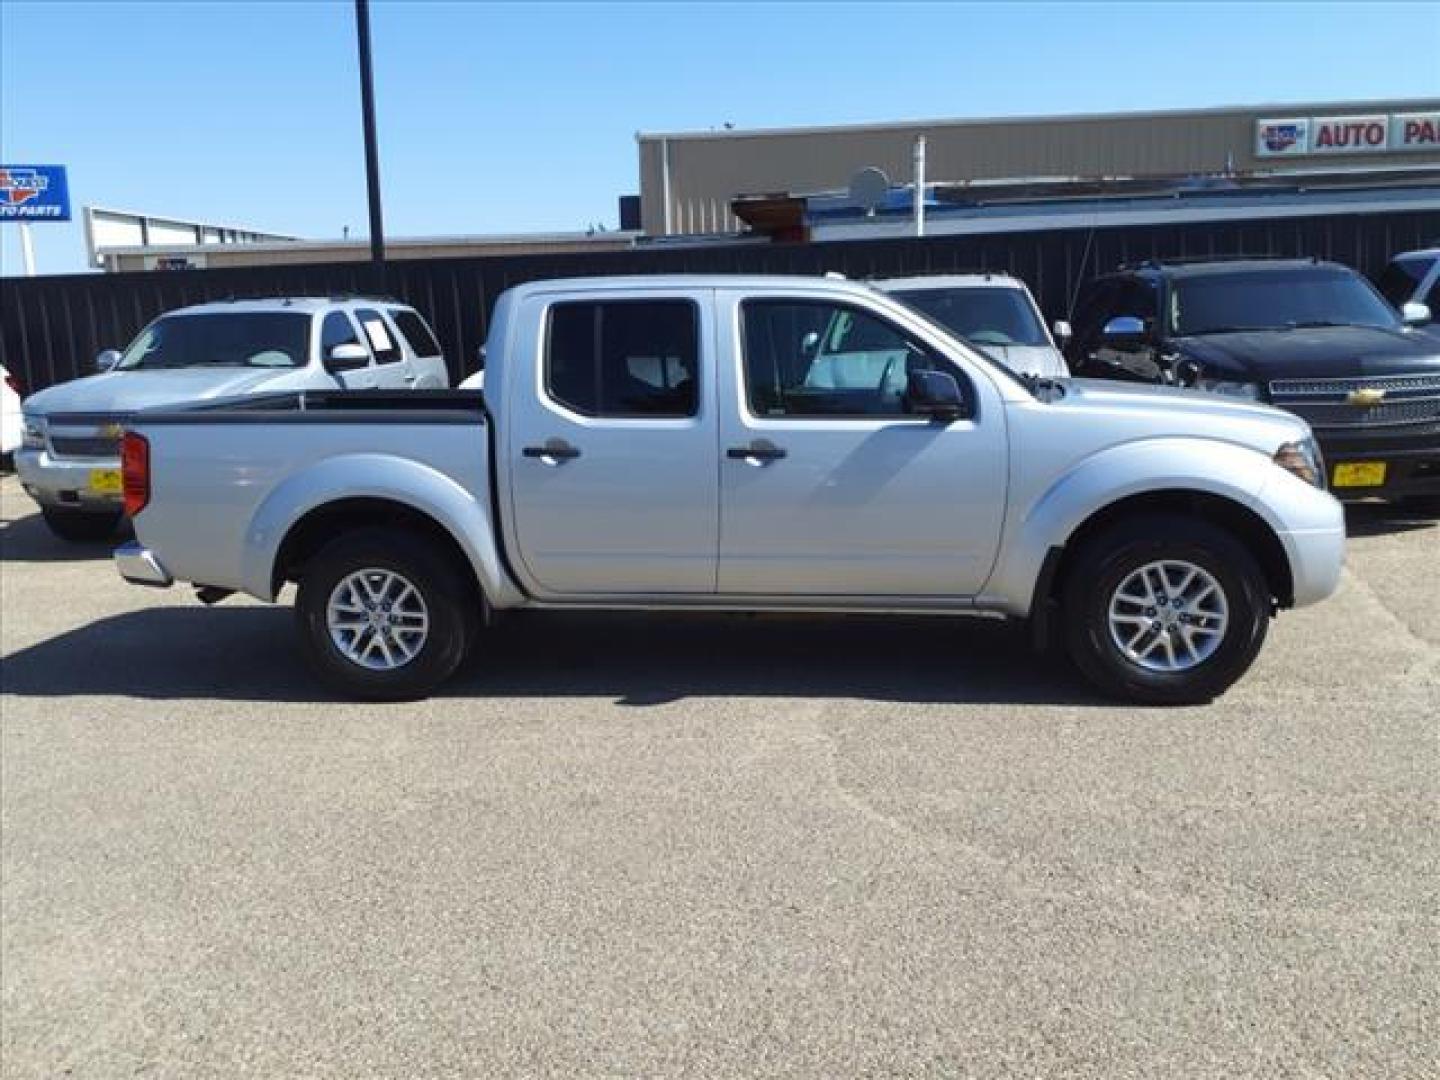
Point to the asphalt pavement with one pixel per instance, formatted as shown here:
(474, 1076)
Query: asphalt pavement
(712, 846)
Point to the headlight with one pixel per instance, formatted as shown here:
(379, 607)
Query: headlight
(1303, 459)
(33, 433)
(1248, 390)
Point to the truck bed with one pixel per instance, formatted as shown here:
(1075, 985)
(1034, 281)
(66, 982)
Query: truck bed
(224, 473)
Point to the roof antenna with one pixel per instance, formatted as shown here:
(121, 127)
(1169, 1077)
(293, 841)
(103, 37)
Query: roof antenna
(1080, 272)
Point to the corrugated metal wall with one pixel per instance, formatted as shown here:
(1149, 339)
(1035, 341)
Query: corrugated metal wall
(52, 327)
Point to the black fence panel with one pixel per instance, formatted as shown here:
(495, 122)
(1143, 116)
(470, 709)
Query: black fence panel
(52, 327)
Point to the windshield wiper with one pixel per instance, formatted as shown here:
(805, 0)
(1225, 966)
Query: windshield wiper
(1037, 383)
(1311, 323)
(1229, 330)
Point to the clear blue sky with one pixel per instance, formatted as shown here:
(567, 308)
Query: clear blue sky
(512, 118)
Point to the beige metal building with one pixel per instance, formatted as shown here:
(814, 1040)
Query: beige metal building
(688, 179)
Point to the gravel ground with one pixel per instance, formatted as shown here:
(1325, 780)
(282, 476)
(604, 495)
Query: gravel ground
(713, 846)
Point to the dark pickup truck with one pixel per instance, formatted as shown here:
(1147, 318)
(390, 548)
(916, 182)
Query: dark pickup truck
(1311, 337)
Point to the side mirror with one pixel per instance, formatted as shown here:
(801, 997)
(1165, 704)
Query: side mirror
(107, 360)
(935, 394)
(346, 357)
(810, 342)
(1415, 313)
(1063, 333)
(1124, 332)
(480, 358)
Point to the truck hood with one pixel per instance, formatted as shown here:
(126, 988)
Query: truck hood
(1325, 352)
(1164, 411)
(130, 391)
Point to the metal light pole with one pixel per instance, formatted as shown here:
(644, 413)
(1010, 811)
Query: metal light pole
(367, 111)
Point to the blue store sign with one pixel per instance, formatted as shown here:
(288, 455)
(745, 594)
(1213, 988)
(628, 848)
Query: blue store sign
(34, 193)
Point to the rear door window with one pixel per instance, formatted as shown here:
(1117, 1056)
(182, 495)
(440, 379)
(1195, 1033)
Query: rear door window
(378, 334)
(624, 358)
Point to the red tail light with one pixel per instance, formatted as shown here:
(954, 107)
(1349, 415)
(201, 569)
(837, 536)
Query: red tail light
(10, 382)
(135, 472)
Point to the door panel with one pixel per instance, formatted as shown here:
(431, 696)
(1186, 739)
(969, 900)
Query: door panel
(612, 447)
(885, 505)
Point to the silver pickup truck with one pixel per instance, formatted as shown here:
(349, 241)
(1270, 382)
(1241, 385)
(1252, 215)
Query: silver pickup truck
(759, 444)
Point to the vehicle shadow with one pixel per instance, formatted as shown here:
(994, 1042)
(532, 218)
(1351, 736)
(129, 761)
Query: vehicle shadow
(28, 539)
(1383, 519)
(251, 654)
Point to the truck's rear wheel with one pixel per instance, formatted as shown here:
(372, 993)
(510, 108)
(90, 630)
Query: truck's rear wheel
(384, 614)
(81, 526)
(1165, 610)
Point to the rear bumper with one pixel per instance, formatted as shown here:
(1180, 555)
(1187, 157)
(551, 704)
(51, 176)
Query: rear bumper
(139, 566)
(1412, 463)
(65, 482)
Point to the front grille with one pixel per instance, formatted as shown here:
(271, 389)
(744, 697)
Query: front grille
(1325, 403)
(84, 446)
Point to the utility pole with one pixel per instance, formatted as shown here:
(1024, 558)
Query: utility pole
(372, 152)
(919, 164)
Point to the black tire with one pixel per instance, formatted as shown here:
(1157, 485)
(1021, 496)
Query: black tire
(81, 526)
(449, 599)
(1108, 559)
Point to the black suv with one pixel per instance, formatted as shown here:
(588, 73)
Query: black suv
(1311, 337)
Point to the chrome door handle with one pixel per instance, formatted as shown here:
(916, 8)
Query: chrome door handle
(553, 452)
(759, 452)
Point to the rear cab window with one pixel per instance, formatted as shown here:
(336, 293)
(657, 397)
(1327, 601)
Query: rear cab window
(624, 358)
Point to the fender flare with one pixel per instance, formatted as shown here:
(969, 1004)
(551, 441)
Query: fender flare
(1146, 466)
(375, 476)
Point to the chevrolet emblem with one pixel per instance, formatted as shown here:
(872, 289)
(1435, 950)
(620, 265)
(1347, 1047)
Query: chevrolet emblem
(112, 431)
(1364, 399)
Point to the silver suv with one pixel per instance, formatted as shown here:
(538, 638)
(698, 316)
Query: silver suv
(70, 460)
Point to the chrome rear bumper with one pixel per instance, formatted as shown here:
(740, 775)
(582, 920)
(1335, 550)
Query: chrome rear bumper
(137, 564)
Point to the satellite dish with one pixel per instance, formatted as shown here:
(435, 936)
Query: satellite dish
(868, 188)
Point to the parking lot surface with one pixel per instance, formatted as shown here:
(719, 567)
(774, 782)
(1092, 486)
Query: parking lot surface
(712, 846)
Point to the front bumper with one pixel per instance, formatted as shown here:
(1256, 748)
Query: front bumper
(1412, 461)
(65, 482)
(139, 566)
(1317, 558)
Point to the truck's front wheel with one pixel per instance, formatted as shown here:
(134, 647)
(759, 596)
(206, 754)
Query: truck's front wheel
(1166, 610)
(383, 615)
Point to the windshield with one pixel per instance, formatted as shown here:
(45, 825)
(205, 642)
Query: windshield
(944, 331)
(269, 339)
(1275, 300)
(984, 316)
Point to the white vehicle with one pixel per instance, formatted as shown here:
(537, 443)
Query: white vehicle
(993, 312)
(675, 443)
(9, 414)
(70, 460)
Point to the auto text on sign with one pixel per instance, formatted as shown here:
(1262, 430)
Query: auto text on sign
(1370, 134)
